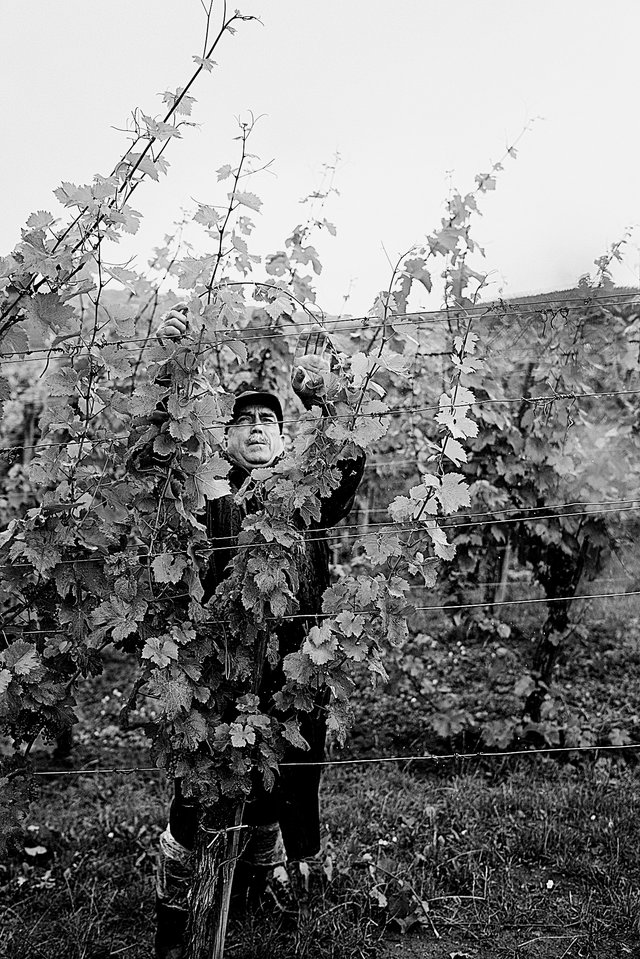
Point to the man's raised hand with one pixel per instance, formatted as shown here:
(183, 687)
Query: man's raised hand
(311, 376)
(174, 323)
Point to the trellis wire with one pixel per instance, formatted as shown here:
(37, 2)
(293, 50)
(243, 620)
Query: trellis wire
(525, 602)
(518, 509)
(487, 309)
(393, 411)
(396, 526)
(363, 612)
(522, 356)
(374, 760)
(391, 526)
(451, 606)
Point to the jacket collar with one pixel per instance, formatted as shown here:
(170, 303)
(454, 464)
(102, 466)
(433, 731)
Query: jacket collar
(237, 475)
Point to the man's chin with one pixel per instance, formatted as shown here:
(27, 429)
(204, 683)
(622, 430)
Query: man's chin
(256, 461)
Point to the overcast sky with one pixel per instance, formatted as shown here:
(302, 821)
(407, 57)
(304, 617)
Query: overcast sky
(414, 94)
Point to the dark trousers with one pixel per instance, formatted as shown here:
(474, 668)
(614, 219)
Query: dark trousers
(293, 802)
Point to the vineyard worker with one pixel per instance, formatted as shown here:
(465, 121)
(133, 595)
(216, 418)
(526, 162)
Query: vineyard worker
(285, 822)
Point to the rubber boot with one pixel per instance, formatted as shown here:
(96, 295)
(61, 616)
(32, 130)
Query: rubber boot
(171, 928)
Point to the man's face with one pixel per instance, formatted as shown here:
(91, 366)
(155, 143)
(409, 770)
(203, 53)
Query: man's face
(254, 439)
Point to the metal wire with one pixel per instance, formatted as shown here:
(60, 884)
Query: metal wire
(393, 411)
(374, 760)
(481, 309)
(446, 607)
(391, 526)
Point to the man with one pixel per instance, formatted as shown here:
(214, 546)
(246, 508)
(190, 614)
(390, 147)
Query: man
(285, 822)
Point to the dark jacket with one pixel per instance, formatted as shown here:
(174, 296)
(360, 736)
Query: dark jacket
(224, 519)
(293, 800)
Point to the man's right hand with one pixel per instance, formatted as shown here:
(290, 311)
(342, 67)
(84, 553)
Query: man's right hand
(174, 323)
(311, 376)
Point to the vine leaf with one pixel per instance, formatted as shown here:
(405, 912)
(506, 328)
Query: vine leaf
(120, 617)
(381, 547)
(279, 305)
(116, 360)
(40, 220)
(164, 445)
(368, 428)
(249, 200)
(393, 362)
(238, 348)
(292, 734)
(15, 340)
(168, 568)
(441, 546)
(205, 62)
(50, 313)
(193, 728)
(453, 492)
(297, 668)
(453, 415)
(145, 399)
(485, 182)
(208, 482)
(408, 507)
(360, 366)
(62, 382)
(415, 267)
(181, 430)
(454, 451)
(173, 691)
(350, 624)
(241, 735)
(160, 650)
(21, 657)
(320, 644)
(186, 103)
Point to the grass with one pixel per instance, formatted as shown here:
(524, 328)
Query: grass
(486, 858)
(526, 858)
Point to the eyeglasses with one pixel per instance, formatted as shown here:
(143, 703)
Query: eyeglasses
(249, 419)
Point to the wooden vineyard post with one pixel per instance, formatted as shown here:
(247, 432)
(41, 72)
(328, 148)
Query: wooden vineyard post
(217, 846)
(501, 589)
(217, 849)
